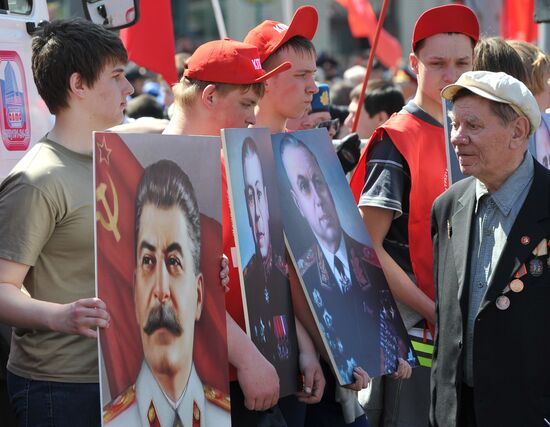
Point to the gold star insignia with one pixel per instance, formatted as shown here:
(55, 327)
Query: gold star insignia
(324, 98)
(104, 151)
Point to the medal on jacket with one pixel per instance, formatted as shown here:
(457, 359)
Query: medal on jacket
(536, 267)
(541, 249)
(503, 302)
(516, 285)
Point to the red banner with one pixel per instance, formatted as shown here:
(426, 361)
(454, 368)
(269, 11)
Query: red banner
(517, 20)
(150, 43)
(362, 23)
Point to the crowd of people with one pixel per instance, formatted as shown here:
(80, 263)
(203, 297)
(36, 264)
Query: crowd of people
(467, 264)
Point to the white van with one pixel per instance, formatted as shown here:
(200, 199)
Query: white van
(24, 117)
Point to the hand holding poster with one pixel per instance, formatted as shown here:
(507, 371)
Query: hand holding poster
(158, 243)
(338, 268)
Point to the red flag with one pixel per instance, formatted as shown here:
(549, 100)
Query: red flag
(150, 43)
(117, 177)
(517, 20)
(362, 23)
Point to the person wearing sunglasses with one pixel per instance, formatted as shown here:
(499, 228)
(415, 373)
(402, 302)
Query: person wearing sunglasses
(318, 114)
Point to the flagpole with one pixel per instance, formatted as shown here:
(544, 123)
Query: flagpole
(219, 18)
(287, 10)
(369, 64)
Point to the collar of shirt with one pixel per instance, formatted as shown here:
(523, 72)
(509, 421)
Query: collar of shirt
(148, 390)
(341, 253)
(412, 107)
(509, 192)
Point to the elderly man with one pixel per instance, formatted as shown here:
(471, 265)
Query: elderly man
(491, 264)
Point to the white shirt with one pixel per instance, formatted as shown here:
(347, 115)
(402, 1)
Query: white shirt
(342, 254)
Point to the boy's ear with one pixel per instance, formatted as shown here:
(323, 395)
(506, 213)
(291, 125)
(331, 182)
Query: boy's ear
(76, 85)
(208, 95)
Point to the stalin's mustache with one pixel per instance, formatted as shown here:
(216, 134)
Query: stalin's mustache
(162, 316)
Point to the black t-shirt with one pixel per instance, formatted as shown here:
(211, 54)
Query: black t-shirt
(388, 186)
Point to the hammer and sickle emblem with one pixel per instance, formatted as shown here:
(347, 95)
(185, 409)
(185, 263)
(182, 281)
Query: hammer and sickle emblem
(111, 222)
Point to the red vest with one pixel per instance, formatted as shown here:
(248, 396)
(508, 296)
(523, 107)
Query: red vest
(423, 147)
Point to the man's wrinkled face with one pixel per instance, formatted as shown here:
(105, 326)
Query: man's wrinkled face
(481, 141)
(256, 202)
(311, 194)
(168, 294)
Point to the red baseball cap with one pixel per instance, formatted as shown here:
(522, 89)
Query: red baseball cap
(449, 18)
(270, 35)
(229, 61)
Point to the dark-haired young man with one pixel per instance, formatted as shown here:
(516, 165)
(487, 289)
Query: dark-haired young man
(401, 172)
(46, 224)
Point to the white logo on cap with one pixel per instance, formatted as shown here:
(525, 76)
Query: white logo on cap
(256, 63)
(280, 27)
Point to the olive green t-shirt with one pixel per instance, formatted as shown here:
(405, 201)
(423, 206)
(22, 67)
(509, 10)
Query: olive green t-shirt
(46, 222)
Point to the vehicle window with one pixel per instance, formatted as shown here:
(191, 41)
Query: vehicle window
(62, 9)
(23, 7)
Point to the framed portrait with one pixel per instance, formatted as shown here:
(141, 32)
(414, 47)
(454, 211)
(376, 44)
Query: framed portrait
(262, 258)
(338, 269)
(163, 358)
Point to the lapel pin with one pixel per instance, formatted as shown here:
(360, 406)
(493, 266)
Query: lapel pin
(536, 267)
(503, 302)
(449, 229)
(541, 249)
(525, 240)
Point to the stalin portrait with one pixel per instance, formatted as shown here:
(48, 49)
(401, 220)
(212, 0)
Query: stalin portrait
(169, 298)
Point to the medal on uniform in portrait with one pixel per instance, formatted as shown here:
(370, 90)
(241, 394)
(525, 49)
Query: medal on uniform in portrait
(317, 298)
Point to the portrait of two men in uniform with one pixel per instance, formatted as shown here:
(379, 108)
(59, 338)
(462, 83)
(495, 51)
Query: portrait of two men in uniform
(173, 304)
(338, 268)
(256, 216)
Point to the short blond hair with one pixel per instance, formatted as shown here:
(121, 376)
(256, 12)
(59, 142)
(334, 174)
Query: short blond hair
(187, 91)
(536, 63)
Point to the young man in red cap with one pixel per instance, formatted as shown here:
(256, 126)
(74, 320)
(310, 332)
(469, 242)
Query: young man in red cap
(220, 89)
(287, 96)
(399, 176)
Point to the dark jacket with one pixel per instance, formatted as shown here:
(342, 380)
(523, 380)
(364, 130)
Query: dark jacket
(511, 351)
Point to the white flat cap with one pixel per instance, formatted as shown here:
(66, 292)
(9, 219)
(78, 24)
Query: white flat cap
(499, 87)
